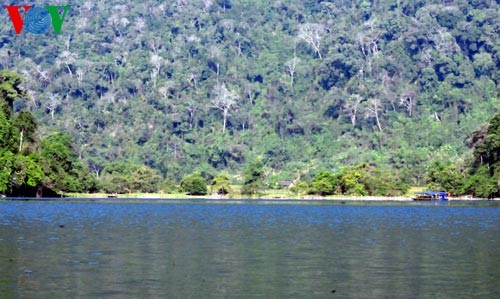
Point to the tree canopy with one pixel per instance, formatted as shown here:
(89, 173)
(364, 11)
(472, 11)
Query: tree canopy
(194, 184)
(208, 86)
(28, 163)
(484, 177)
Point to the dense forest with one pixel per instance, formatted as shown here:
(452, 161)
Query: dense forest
(304, 89)
(29, 165)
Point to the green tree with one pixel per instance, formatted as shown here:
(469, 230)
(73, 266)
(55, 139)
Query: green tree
(114, 184)
(484, 179)
(169, 186)
(445, 177)
(63, 171)
(487, 151)
(145, 179)
(126, 177)
(253, 178)
(481, 184)
(27, 125)
(10, 89)
(8, 136)
(194, 184)
(221, 184)
(6, 165)
(26, 171)
(351, 181)
(301, 187)
(324, 183)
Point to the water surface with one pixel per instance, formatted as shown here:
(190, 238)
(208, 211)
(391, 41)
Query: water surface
(193, 249)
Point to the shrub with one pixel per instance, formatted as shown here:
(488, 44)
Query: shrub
(194, 184)
(220, 184)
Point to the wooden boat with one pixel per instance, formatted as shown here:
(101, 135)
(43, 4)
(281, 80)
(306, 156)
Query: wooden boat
(431, 195)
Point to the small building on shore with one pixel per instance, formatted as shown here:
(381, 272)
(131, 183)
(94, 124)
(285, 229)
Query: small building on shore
(287, 184)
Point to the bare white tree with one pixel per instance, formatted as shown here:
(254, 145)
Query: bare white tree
(312, 33)
(224, 100)
(368, 43)
(32, 96)
(88, 5)
(53, 104)
(444, 42)
(44, 75)
(352, 107)
(291, 66)
(207, 4)
(426, 56)
(216, 55)
(66, 57)
(166, 89)
(124, 22)
(191, 107)
(251, 92)
(373, 109)
(154, 77)
(156, 61)
(81, 23)
(79, 75)
(407, 100)
(140, 24)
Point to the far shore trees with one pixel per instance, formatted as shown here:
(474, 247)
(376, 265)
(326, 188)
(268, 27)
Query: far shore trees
(194, 184)
(221, 184)
(127, 177)
(253, 178)
(359, 180)
(484, 174)
(28, 163)
(300, 85)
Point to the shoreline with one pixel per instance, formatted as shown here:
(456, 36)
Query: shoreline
(267, 197)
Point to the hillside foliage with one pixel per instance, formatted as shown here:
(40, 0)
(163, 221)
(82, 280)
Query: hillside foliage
(28, 163)
(303, 86)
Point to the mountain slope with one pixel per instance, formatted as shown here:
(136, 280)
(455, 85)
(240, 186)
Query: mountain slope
(209, 85)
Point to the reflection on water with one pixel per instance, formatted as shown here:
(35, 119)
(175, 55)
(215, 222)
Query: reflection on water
(202, 250)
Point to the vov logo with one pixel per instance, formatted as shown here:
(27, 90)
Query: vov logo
(37, 19)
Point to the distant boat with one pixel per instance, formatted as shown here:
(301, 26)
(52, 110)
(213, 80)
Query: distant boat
(431, 195)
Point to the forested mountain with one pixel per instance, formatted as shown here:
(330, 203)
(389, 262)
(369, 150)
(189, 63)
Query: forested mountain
(303, 86)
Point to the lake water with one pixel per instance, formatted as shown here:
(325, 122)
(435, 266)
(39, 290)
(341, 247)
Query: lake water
(204, 249)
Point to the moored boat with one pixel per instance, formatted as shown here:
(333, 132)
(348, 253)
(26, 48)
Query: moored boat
(431, 195)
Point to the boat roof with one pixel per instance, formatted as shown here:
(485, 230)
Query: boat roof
(432, 192)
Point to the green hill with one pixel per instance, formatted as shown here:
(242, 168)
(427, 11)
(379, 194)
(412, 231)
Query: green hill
(302, 86)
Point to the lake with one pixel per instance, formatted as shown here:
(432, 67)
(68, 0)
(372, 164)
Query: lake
(248, 249)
